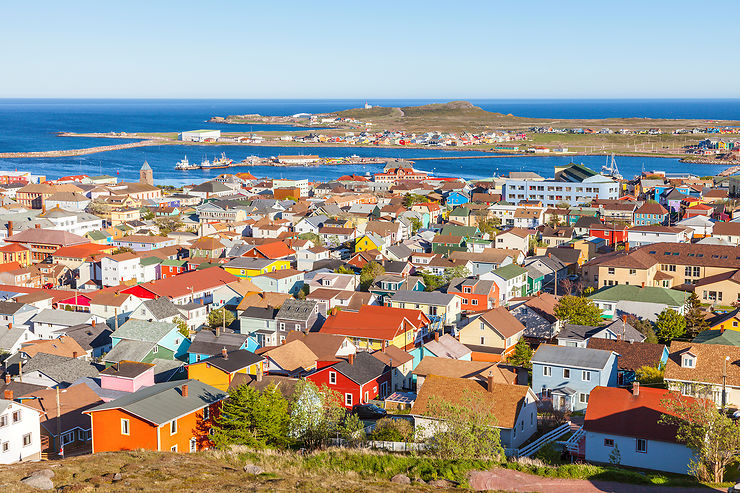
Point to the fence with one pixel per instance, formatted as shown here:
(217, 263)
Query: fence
(533, 447)
(382, 445)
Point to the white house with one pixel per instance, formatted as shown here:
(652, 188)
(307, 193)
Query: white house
(20, 432)
(47, 322)
(624, 427)
(120, 268)
(638, 236)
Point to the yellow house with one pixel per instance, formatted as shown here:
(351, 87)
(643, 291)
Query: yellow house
(218, 371)
(493, 335)
(369, 241)
(247, 267)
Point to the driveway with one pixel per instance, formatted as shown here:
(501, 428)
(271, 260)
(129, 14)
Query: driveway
(510, 480)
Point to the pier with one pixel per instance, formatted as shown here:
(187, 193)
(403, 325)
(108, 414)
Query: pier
(81, 152)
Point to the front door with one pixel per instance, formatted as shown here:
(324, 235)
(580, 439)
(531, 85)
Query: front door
(559, 402)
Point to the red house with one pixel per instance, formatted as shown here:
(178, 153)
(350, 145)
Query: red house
(359, 379)
(477, 294)
(611, 233)
(698, 210)
(171, 268)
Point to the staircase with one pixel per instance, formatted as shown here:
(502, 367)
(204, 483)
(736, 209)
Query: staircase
(576, 444)
(535, 446)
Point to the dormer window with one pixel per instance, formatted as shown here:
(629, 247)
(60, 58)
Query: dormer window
(466, 290)
(688, 360)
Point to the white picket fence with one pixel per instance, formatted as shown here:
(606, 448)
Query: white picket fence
(382, 445)
(571, 444)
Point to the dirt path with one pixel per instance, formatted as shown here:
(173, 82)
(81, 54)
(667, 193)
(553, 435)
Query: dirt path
(510, 480)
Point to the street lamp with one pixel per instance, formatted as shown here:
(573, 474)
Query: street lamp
(724, 382)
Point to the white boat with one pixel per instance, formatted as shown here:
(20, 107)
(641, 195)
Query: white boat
(610, 169)
(185, 164)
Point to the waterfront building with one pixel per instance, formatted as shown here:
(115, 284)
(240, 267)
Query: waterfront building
(200, 135)
(573, 184)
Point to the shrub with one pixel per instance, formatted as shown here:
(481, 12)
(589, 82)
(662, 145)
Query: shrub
(392, 430)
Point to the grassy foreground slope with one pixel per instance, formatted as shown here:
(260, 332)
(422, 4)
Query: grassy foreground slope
(146, 471)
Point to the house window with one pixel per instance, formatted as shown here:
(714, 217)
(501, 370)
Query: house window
(583, 398)
(83, 435)
(641, 445)
(687, 361)
(586, 376)
(297, 326)
(282, 325)
(332, 377)
(3, 420)
(16, 416)
(155, 350)
(466, 290)
(206, 412)
(26, 439)
(124, 426)
(173, 448)
(367, 396)
(610, 270)
(566, 372)
(474, 302)
(546, 371)
(348, 399)
(193, 445)
(633, 272)
(482, 341)
(68, 438)
(173, 427)
(608, 442)
(6, 446)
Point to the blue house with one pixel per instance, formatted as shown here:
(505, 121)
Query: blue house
(567, 375)
(139, 340)
(650, 213)
(456, 198)
(207, 343)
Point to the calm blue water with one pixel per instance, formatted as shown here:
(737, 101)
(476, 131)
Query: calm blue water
(31, 125)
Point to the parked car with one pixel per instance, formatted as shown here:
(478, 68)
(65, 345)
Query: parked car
(368, 411)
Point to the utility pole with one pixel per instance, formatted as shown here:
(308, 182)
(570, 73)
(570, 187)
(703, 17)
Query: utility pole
(724, 383)
(59, 425)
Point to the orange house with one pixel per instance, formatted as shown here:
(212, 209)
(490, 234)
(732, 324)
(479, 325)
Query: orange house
(476, 294)
(218, 371)
(172, 416)
(14, 252)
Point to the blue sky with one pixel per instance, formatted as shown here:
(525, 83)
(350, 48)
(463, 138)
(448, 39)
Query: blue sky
(401, 49)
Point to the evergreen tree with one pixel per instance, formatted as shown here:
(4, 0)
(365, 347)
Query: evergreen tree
(695, 321)
(670, 325)
(522, 355)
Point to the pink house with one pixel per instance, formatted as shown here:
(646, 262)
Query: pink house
(127, 376)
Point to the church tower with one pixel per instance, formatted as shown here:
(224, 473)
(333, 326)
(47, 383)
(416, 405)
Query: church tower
(146, 175)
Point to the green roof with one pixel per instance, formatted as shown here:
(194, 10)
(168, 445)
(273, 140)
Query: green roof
(510, 271)
(150, 261)
(726, 338)
(174, 263)
(626, 292)
(457, 230)
(97, 235)
(460, 211)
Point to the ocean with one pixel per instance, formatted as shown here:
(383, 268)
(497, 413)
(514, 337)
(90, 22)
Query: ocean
(32, 125)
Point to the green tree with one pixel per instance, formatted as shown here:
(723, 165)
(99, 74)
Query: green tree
(713, 436)
(413, 198)
(147, 214)
(313, 237)
(167, 225)
(522, 355)
(415, 224)
(670, 325)
(432, 282)
(369, 272)
(650, 375)
(644, 326)
(489, 225)
(343, 269)
(695, 321)
(578, 310)
(182, 327)
(457, 271)
(303, 292)
(122, 250)
(316, 414)
(253, 418)
(467, 429)
(216, 317)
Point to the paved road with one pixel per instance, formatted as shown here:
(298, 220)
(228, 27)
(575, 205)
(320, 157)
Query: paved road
(510, 480)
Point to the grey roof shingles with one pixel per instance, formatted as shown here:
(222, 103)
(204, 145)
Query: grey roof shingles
(423, 297)
(576, 357)
(164, 402)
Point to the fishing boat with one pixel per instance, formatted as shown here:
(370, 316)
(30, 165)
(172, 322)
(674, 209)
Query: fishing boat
(185, 164)
(610, 169)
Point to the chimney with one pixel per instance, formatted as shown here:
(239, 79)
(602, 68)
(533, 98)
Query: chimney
(10, 325)
(74, 354)
(436, 336)
(7, 378)
(8, 395)
(351, 358)
(218, 331)
(37, 226)
(224, 353)
(185, 390)
(636, 388)
(489, 381)
(10, 228)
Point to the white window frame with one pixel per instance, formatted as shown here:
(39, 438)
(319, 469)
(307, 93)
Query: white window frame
(583, 398)
(173, 427)
(586, 376)
(547, 371)
(27, 440)
(206, 412)
(332, 378)
(173, 448)
(125, 427)
(193, 445)
(348, 399)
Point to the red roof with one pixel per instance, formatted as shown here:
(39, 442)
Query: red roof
(617, 411)
(180, 285)
(83, 251)
(12, 248)
(9, 266)
(56, 293)
(275, 250)
(374, 322)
